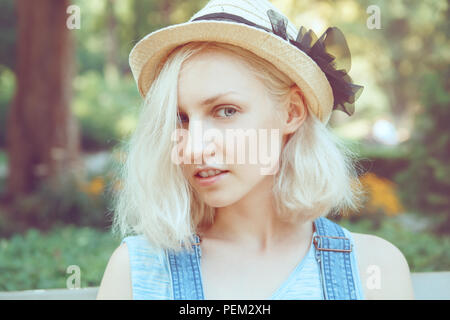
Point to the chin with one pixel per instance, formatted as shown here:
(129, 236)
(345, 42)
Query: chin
(219, 200)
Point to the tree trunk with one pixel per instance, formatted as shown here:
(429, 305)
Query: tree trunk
(42, 136)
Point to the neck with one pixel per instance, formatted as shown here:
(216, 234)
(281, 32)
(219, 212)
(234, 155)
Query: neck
(253, 223)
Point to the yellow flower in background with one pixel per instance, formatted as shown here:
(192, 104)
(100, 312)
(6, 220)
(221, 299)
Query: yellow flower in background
(382, 194)
(94, 187)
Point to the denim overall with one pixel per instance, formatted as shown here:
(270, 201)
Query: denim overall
(332, 252)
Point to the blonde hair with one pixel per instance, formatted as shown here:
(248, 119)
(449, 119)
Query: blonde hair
(317, 174)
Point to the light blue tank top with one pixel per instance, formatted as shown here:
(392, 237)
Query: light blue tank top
(156, 274)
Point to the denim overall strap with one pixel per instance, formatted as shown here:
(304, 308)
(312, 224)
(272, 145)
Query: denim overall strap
(185, 273)
(333, 251)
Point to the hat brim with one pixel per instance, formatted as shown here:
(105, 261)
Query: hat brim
(151, 52)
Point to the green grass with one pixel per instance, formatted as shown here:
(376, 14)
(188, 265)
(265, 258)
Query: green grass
(39, 261)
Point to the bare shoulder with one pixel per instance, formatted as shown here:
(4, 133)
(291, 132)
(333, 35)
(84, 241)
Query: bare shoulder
(116, 282)
(383, 268)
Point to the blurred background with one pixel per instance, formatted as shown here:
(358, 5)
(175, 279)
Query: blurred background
(68, 100)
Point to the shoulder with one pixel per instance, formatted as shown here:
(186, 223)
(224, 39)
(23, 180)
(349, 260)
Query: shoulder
(383, 268)
(116, 282)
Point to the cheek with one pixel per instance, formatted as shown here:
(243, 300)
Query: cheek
(245, 177)
(185, 170)
(255, 156)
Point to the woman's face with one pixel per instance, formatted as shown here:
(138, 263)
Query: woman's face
(221, 105)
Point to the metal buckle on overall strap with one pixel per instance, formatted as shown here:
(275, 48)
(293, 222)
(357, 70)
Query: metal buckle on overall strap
(316, 241)
(199, 240)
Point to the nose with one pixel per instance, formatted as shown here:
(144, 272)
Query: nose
(198, 147)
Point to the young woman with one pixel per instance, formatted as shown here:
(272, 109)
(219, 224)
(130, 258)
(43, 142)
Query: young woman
(201, 224)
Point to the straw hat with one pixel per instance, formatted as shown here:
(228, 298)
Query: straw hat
(258, 26)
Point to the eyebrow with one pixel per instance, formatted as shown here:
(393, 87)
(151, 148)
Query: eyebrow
(214, 98)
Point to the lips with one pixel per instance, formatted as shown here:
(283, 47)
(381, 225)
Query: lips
(208, 172)
(209, 176)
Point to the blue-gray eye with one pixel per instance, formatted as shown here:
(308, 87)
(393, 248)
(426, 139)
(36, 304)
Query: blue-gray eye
(227, 114)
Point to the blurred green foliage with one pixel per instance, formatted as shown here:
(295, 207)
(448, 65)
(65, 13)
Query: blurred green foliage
(106, 108)
(39, 260)
(427, 176)
(7, 87)
(81, 201)
(8, 32)
(424, 251)
(8, 20)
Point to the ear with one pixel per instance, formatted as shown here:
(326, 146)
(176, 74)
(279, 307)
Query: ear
(297, 111)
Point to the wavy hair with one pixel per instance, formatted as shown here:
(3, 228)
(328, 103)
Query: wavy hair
(317, 174)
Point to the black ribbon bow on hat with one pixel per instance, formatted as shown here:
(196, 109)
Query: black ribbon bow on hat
(326, 51)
